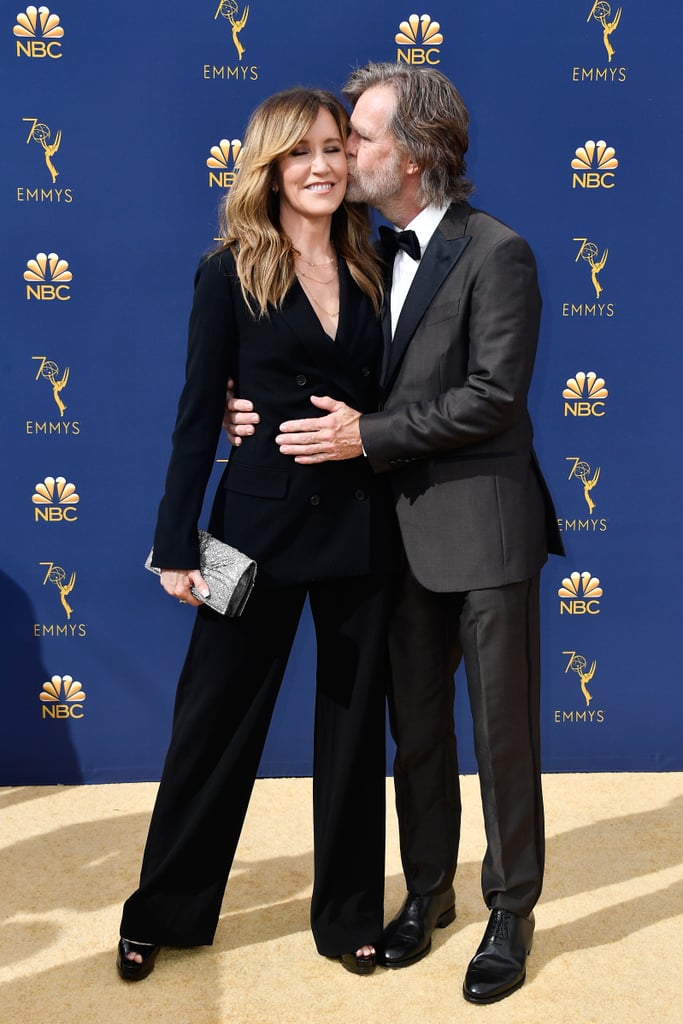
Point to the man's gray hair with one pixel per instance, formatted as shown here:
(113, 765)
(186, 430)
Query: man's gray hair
(429, 122)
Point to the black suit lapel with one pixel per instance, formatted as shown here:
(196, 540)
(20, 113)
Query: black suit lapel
(444, 250)
(386, 318)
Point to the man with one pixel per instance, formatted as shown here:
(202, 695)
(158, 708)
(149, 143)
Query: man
(477, 522)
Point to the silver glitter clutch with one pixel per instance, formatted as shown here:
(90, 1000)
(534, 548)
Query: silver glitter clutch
(228, 573)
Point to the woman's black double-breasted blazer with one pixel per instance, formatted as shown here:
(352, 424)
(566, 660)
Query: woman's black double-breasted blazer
(300, 523)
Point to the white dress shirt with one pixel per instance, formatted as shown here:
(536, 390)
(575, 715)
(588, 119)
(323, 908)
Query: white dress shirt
(405, 268)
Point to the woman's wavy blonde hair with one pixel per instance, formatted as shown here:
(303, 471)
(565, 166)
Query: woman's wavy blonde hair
(249, 214)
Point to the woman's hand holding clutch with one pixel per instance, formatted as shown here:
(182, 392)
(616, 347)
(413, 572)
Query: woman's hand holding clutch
(179, 583)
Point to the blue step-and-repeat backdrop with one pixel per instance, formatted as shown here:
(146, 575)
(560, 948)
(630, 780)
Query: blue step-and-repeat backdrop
(121, 131)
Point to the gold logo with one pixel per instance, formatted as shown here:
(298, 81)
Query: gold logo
(229, 9)
(595, 154)
(602, 12)
(580, 584)
(593, 165)
(62, 697)
(62, 688)
(577, 663)
(57, 575)
(41, 133)
(224, 163)
(582, 472)
(47, 277)
(584, 395)
(49, 371)
(588, 384)
(37, 32)
(579, 594)
(422, 36)
(588, 251)
(55, 500)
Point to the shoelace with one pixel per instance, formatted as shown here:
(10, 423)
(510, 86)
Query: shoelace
(499, 926)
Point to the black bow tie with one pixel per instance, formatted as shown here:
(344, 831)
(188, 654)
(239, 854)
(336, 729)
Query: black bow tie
(395, 240)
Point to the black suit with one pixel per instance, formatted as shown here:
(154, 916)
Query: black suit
(454, 438)
(319, 531)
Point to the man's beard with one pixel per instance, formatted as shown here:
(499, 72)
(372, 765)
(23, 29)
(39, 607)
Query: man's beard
(375, 187)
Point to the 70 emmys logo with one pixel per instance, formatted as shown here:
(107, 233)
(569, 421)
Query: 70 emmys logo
(48, 370)
(582, 471)
(588, 251)
(57, 575)
(602, 12)
(419, 30)
(41, 133)
(229, 10)
(38, 22)
(577, 663)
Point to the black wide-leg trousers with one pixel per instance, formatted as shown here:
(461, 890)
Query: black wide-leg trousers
(496, 632)
(224, 703)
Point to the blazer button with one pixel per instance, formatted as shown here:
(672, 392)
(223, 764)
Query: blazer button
(365, 371)
(301, 380)
(314, 499)
(360, 495)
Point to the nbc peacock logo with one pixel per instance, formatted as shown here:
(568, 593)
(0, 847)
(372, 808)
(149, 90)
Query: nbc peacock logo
(584, 395)
(594, 164)
(55, 501)
(580, 594)
(48, 278)
(38, 33)
(419, 39)
(224, 163)
(62, 698)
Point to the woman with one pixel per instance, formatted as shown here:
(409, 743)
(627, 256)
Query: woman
(287, 308)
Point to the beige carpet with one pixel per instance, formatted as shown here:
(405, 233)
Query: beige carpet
(607, 937)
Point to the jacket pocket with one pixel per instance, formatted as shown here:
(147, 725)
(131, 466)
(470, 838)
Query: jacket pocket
(256, 481)
(441, 311)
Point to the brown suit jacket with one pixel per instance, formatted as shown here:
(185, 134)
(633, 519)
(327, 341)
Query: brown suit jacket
(454, 431)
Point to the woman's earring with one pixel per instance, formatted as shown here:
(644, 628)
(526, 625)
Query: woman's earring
(275, 188)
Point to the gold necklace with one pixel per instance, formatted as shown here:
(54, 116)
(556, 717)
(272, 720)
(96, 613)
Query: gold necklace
(316, 279)
(314, 300)
(324, 264)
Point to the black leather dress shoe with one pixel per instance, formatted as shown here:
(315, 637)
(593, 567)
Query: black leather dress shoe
(498, 968)
(408, 937)
(131, 970)
(359, 964)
